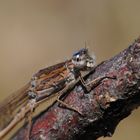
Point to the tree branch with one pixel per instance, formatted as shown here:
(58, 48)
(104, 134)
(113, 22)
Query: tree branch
(103, 108)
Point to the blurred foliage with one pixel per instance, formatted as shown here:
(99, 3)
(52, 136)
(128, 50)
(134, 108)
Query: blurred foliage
(35, 34)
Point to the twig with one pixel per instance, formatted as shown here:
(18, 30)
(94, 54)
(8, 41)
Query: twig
(103, 108)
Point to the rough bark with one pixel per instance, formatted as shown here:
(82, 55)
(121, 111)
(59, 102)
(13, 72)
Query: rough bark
(103, 107)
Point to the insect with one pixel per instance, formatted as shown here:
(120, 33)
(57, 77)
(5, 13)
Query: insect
(44, 84)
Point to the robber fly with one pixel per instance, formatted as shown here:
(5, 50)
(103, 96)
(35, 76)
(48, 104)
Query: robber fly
(45, 83)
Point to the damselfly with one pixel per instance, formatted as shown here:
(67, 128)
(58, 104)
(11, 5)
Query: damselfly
(44, 84)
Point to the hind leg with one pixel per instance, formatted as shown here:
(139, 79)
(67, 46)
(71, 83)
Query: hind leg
(32, 104)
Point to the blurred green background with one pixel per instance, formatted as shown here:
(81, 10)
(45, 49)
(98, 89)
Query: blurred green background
(38, 33)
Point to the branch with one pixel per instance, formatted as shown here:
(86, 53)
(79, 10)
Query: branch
(103, 108)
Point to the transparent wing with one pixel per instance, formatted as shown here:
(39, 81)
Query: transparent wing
(12, 104)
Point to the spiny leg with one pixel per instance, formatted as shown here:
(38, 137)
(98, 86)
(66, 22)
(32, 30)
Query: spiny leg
(94, 82)
(69, 107)
(99, 80)
(84, 83)
(32, 103)
(29, 125)
(65, 104)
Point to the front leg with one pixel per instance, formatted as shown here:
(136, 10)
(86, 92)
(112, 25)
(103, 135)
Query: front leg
(94, 83)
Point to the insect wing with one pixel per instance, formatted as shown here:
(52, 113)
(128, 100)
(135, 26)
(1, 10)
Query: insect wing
(51, 78)
(11, 105)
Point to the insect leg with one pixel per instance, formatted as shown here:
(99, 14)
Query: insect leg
(32, 103)
(68, 106)
(94, 82)
(18, 117)
(61, 93)
(30, 125)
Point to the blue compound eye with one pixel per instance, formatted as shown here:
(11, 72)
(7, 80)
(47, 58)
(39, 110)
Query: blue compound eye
(76, 53)
(80, 52)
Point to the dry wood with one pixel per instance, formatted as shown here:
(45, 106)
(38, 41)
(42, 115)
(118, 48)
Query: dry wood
(103, 107)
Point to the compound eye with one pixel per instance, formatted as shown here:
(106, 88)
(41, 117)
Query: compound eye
(78, 59)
